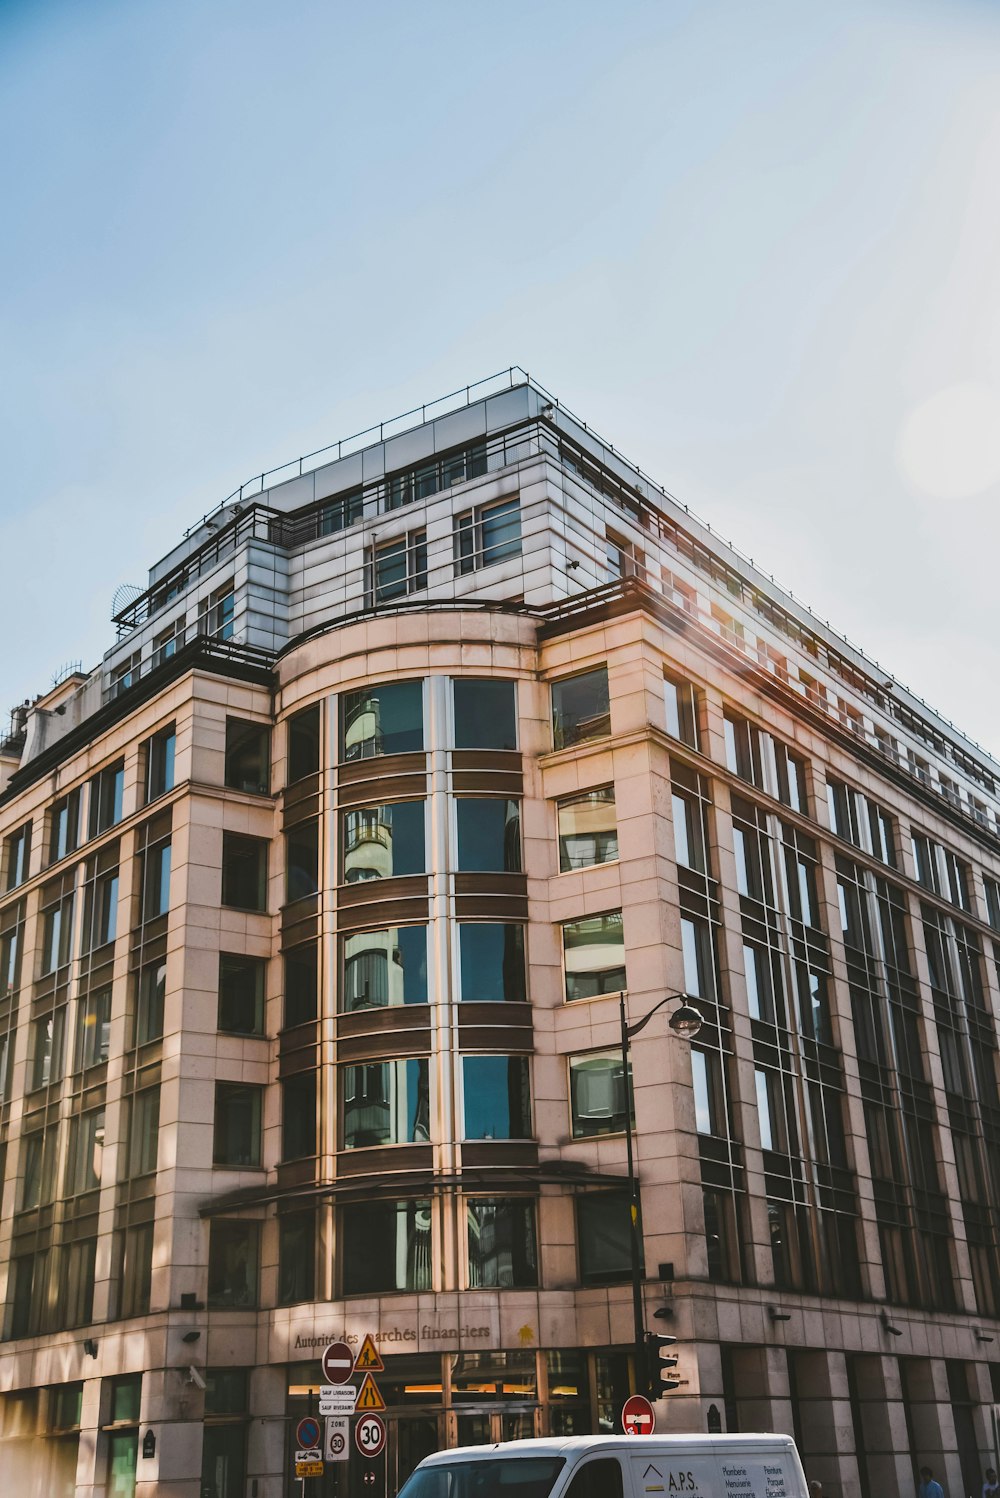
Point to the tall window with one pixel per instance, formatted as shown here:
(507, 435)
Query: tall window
(861, 821)
(233, 1264)
(489, 834)
(248, 756)
(224, 1433)
(302, 861)
(150, 991)
(594, 955)
(123, 1436)
(382, 968)
(218, 613)
(941, 870)
(383, 719)
(167, 643)
(47, 1036)
(301, 979)
(100, 903)
(106, 789)
(339, 513)
(581, 708)
(497, 1097)
(691, 826)
(296, 1258)
(502, 1243)
(303, 743)
(485, 713)
(681, 702)
(298, 1116)
(396, 568)
(588, 830)
(17, 851)
(487, 535)
(237, 1139)
(93, 1028)
(64, 826)
(143, 1132)
(154, 896)
(386, 1246)
(241, 994)
(84, 1161)
(604, 1238)
(381, 842)
(491, 962)
(57, 930)
(159, 763)
(244, 872)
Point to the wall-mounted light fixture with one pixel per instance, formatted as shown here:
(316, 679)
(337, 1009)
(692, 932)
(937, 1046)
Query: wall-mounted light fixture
(887, 1325)
(90, 1347)
(191, 1336)
(777, 1315)
(982, 1337)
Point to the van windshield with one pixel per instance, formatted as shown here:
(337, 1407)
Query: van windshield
(486, 1477)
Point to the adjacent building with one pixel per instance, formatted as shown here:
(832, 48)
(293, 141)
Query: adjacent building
(316, 901)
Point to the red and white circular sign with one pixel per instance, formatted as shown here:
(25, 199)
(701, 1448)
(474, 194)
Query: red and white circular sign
(637, 1416)
(338, 1363)
(369, 1435)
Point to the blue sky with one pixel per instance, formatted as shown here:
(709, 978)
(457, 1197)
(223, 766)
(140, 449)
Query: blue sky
(758, 247)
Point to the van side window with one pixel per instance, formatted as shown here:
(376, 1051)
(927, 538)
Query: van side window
(600, 1479)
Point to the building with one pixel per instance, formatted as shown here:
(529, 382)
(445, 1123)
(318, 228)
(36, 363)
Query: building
(316, 899)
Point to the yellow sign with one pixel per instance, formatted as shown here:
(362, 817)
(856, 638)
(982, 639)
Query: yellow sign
(309, 1469)
(369, 1397)
(368, 1360)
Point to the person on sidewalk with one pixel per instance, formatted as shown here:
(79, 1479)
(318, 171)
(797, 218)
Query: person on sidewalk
(929, 1486)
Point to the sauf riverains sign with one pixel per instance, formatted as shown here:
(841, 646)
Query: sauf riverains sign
(388, 1336)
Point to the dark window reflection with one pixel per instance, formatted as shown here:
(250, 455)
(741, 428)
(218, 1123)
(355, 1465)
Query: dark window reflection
(497, 1097)
(489, 835)
(384, 968)
(491, 957)
(385, 1246)
(485, 713)
(380, 842)
(581, 708)
(503, 1249)
(385, 1102)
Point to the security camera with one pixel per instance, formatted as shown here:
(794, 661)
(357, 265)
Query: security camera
(194, 1377)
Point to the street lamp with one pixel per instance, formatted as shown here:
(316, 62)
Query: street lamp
(685, 1022)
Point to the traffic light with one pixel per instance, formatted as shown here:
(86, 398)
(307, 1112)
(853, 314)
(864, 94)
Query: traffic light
(659, 1369)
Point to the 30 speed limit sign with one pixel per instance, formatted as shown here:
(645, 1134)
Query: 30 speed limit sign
(369, 1435)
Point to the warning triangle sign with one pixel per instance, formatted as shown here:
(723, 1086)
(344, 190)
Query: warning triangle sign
(369, 1397)
(368, 1360)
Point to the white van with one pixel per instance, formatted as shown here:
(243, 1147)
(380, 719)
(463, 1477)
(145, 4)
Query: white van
(731, 1466)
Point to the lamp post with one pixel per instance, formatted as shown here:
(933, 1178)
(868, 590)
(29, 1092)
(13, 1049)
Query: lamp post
(686, 1023)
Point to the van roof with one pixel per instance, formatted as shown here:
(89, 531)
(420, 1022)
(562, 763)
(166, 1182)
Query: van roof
(571, 1445)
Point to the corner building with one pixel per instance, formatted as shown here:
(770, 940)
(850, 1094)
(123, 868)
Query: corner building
(316, 899)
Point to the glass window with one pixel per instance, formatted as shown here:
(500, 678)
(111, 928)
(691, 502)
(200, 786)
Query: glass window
(384, 968)
(485, 713)
(244, 872)
(690, 833)
(144, 1132)
(241, 994)
(296, 1258)
(223, 1459)
(761, 979)
(47, 1049)
(597, 1094)
(237, 1124)
(160, 751)
(155, 891)
(503, 1248)
(588, 830)
(151, 986)
(597, 1479)
(64, 826)
(233, 1252)
(100, 910)
(709, 1102)
(486, 535)
(489, 835)
(397, 568)
(93, 1028)
(497, 1097)
(18, 852)
(57, 934)
(385, 1102)
(385, 1246)
(298, 1116)
(604, 1238)
(303, 743)
(681, 701)
(106, 791)
(491, 962)
(248, 756)
(301, 966)
(339, 513)
(383, 719)
(720, 1235)
(594, 955)
(39, 1168)
(123, 1453)
(382, 842)
(302, 861)
(86, 1152)
(699, 968)
(581, 708)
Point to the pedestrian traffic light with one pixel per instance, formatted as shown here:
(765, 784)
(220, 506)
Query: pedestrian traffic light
(659, 1369)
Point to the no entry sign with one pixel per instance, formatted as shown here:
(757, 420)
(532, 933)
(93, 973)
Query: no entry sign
(637, 1416)
(338, 1363)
